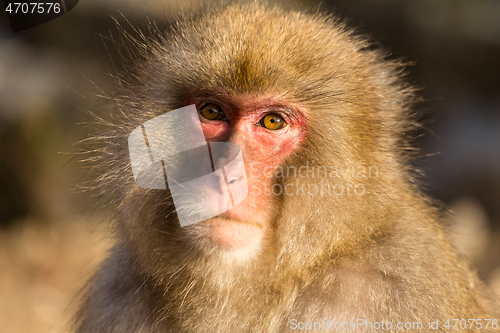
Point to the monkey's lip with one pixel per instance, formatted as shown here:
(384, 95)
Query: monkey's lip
(230, 232)
(227, 218)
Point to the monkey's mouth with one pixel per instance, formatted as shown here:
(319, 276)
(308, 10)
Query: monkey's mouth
(230, 232)
(235, 220)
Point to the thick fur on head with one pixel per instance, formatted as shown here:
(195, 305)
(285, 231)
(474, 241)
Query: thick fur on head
(379, 255)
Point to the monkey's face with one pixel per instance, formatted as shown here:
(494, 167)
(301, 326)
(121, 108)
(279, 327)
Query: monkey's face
(267, 130)
(287, 94)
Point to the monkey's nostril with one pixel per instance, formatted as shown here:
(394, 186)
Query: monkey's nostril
(234, 180)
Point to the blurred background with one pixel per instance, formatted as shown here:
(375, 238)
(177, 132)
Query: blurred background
(52, 235)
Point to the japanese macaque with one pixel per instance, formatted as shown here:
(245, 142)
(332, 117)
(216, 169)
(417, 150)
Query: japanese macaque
(333, 233)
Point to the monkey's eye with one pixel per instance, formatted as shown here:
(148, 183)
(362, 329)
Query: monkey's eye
(212, 112)
(272, 121)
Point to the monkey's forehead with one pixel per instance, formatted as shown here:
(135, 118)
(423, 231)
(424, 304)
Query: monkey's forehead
(254, 48)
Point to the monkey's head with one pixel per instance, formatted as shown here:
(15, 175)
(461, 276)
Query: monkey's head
(318, 116)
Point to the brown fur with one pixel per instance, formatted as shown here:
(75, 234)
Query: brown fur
(377, 256)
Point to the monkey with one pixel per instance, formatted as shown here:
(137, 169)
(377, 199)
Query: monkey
(333, 232)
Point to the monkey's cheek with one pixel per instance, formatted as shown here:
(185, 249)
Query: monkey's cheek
(234, 235)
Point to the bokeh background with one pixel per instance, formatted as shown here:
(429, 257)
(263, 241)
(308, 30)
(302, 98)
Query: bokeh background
(52, 235)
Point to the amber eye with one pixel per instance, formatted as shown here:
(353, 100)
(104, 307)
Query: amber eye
(212, 112)
(272, 121)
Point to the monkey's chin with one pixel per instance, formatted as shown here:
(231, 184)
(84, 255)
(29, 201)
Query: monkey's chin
(231, 233)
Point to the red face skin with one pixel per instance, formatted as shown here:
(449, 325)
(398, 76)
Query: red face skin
(262, 149)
